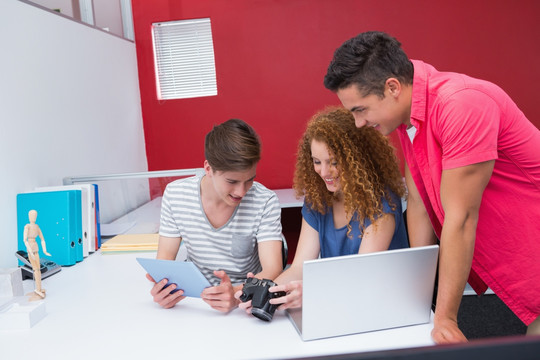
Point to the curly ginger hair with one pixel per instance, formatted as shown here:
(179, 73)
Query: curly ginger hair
(365, 160)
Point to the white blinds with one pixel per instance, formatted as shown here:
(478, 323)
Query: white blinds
(184, 59)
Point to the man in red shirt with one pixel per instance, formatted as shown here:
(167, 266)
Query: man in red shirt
(472, 172)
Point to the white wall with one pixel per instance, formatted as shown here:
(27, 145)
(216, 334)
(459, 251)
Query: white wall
(69, 105)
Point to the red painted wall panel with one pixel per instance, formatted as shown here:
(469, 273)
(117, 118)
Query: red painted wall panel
(271, 57)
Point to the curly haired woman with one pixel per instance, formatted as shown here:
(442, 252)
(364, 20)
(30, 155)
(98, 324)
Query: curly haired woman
(352, 191)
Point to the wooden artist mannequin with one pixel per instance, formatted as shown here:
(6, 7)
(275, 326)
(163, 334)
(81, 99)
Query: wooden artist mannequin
(31, 232)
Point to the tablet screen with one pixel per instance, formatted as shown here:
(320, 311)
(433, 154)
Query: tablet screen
(184, 274)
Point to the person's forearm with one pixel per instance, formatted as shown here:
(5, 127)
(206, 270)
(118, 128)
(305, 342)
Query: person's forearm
(418, 224)
(270, 255)
(168, 248)
(461, 195)
(456, 253)
(269, 274)
(294, 272)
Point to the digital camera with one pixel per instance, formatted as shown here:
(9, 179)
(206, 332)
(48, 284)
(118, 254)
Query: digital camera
(256, 290)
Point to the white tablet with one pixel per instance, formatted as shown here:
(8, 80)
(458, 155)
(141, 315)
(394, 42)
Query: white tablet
(184, 274)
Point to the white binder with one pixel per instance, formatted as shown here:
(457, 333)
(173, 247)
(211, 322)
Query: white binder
(88, 212)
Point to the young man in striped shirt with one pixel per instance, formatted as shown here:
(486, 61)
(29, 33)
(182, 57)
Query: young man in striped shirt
(230, 224)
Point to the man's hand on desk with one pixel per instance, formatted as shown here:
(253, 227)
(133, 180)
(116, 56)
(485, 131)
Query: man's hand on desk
(221, 297)
(162, 295)
(446, 331)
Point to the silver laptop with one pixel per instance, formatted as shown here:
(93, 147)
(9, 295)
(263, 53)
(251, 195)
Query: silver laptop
(357, 293)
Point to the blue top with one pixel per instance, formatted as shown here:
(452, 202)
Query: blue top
(334, 242)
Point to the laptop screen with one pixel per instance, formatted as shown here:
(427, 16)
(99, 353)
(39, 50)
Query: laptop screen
(358, 293)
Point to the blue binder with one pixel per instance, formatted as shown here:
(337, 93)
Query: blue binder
(60, 220)
(98, 220)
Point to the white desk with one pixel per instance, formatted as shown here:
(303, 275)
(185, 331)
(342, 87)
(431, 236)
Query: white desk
(101, 309)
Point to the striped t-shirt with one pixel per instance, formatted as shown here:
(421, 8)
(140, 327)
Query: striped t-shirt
(232, 247)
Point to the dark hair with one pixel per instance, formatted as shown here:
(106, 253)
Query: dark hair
(232, 146)
(367, 61)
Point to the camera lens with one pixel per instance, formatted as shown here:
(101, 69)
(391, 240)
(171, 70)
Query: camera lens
(261, 314)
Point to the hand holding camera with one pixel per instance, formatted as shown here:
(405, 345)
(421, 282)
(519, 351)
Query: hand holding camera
(257, 291)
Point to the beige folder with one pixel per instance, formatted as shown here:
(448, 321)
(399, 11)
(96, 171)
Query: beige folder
(131, 243)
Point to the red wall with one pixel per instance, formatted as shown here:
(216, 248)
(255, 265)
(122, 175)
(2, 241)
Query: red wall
(271, 57)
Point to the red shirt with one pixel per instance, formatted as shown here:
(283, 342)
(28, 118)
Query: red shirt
(462, 121)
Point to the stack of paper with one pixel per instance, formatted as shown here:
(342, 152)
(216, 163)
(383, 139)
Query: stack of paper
(131, 243)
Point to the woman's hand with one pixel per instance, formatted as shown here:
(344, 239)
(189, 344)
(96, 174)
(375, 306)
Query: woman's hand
(293, 299)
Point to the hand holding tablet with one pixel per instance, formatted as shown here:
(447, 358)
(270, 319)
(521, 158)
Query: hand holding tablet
(184, 274)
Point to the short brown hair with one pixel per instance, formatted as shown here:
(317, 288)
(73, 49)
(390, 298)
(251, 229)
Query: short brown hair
(232, 146)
